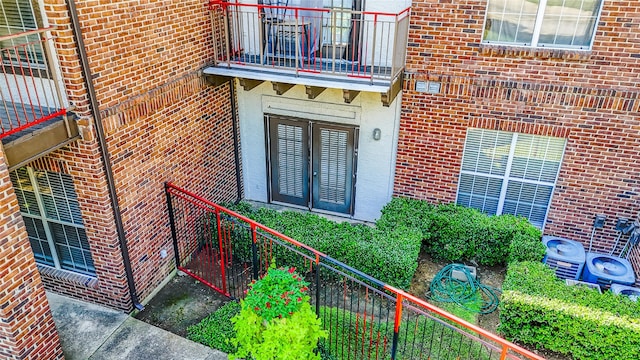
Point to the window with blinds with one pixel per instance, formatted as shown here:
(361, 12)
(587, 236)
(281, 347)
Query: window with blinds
(20, 16)
(50, 210)
(509, 173)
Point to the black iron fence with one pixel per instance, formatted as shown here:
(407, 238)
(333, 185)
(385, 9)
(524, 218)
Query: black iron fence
(365, 318)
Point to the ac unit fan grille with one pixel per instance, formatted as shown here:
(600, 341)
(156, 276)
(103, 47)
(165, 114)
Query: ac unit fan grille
(562, 270)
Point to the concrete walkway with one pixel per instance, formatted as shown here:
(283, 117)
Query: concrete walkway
(89, 331)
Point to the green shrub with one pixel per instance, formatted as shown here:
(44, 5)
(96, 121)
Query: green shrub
(455, 233)
(389, 254)
(216, 329)
(538, 309)
(526, 247)
(276, 321)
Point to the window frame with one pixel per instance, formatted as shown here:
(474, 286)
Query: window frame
(507, 178)
(536, 32)
(77, 268)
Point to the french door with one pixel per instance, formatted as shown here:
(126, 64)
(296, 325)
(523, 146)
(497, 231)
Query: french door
(311, 164)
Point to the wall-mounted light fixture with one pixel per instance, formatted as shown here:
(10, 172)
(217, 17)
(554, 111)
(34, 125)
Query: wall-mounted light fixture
(377, 134)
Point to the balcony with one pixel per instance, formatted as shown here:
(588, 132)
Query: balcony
(34, 118)
(318, 47)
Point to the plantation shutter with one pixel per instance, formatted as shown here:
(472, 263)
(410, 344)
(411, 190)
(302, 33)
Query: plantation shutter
(333, 166)
(509, 173)
(290, 160)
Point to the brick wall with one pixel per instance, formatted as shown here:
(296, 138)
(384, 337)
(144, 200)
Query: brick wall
(162, 122)
(27, 330)
(589, 98)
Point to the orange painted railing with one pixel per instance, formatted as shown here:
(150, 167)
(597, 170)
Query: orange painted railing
(365, 318)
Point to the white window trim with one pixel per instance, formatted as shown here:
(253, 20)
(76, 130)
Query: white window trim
(506, 178)
(536, 32)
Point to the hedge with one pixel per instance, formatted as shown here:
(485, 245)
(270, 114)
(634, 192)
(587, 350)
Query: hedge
(455, 233)
(538, 309)
(389, 254)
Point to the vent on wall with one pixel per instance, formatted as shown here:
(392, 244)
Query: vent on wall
(567, 257)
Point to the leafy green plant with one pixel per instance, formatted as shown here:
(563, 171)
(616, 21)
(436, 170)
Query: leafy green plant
(276, 321)
(538, 309)
(526, 247)
(216, 329)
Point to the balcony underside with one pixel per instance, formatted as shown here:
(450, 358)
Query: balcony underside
(38, 140)
(315, 81)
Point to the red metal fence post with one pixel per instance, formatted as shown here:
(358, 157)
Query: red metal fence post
(396, 325)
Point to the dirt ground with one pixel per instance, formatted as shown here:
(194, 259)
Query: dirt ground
(428, 268)
(183, 302)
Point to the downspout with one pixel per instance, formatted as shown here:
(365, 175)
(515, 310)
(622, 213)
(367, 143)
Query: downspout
(236, 151)
(104, 152)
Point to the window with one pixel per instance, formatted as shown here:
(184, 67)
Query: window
(509, 173)
(567, 24)
(20, 16)
(50, 210)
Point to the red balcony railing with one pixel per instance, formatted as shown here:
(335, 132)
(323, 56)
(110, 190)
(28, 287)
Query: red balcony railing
(364, 46)
(32, 92)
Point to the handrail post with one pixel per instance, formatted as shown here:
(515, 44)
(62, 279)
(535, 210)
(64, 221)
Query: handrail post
(254, 251)
(373, 45)
(317, 285)
(396, 326)
(503, 355)
(172, 223)
(222, 259)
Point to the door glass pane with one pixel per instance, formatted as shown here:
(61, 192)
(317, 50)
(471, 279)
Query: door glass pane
(333, 166)
(290, 160)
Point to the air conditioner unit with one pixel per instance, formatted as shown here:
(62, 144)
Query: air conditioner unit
(567, 257)
(631, 292)
(608, 269)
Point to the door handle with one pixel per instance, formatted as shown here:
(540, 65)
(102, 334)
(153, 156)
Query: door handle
(315, 173)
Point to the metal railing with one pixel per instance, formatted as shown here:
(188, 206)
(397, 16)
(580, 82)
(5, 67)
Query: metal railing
(365, 318)
(361, 45)
(32, 92)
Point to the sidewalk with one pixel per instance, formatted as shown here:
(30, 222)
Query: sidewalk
(89, 331)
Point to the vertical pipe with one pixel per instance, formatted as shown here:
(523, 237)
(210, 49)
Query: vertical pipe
(172, 223)
(104, 152)
(236, 150)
